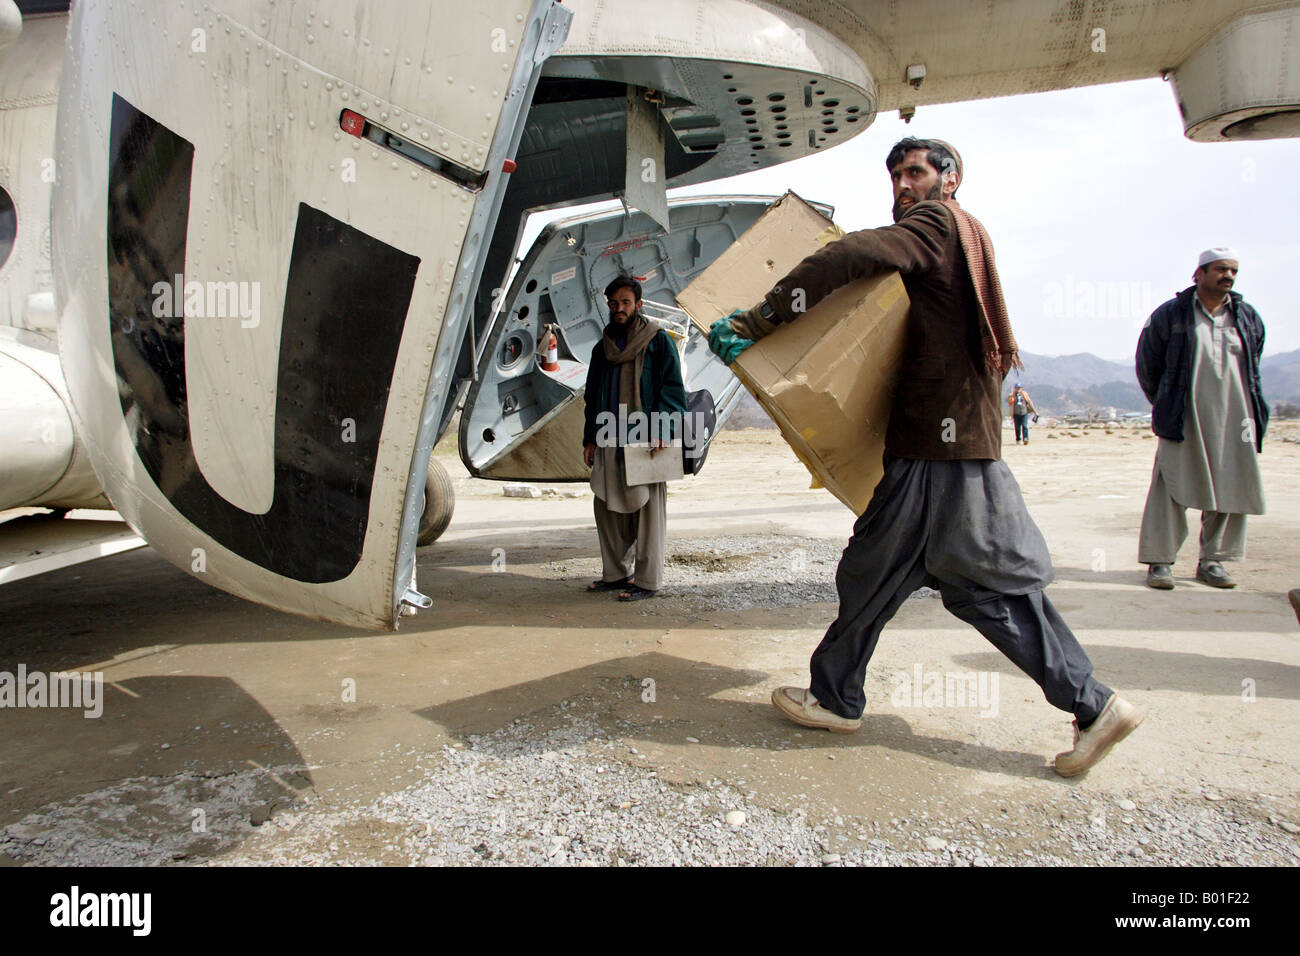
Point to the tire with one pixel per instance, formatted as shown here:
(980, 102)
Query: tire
(439, 503)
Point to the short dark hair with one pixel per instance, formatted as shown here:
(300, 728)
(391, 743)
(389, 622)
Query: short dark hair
(937, 154)
(624, 282)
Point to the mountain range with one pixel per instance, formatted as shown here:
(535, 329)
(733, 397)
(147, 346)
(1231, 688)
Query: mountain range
(1059, 384)
(1063, 383)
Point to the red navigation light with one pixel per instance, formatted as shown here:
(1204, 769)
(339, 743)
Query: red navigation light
(352, 123)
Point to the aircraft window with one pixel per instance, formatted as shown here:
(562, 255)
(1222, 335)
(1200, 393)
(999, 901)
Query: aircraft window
(8, 226)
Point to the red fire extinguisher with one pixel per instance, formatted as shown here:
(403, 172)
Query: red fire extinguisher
(549, 349)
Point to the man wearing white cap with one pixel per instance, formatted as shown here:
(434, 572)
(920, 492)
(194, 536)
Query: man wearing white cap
(1198, 362)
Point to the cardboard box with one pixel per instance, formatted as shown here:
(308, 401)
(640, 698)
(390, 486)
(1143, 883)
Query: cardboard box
(827, 379)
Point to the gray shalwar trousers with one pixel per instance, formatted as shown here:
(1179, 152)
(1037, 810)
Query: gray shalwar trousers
(642, 533)
(960, 527)
(1164, 529)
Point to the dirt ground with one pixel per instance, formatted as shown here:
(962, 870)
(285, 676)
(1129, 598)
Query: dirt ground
(221, 717)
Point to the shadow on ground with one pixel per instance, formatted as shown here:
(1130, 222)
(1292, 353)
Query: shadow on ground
(1132, 668)
(174, 767)
(605, 701)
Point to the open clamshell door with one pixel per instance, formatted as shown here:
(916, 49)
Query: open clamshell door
(523, 422)
(268, 221)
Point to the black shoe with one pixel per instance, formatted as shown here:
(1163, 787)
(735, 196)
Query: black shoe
(1212, 573)
(603, 585)
(1160, 577)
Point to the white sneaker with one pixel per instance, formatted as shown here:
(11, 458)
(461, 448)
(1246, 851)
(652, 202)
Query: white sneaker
(1116, 721)
(802, 707)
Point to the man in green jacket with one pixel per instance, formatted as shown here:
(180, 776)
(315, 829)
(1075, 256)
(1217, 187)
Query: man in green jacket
(947, 513)
(634, 382)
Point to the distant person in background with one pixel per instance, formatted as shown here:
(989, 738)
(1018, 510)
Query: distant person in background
(1198, 363)
(1021, 409)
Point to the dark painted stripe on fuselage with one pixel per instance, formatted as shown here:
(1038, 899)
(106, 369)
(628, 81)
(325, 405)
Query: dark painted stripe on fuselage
(345, 306)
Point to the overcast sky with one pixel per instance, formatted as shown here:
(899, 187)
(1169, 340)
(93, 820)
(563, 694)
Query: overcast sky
(1097, 204)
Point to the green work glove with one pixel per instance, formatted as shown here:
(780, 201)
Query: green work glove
(724, 342)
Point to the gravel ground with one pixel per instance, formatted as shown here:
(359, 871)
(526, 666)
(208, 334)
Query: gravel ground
(151, 821)
(739, 572)
(568, 787)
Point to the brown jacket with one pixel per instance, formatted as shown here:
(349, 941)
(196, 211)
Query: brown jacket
(1011, 402)
(947, 402)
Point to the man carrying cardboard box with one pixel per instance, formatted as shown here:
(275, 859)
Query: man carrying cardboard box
(947, 513)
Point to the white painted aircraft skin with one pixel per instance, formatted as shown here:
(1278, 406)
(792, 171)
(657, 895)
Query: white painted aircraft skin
(258, 103)
(983, 50)
(258, 98)
(11, 24)
(43, 462)
(29, 89)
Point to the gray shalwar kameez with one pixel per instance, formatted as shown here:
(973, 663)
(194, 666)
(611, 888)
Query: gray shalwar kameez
(1214, 468)
(960, 527)
(629, 518)
(947, 511)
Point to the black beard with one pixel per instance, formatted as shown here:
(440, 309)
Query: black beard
(936, 192)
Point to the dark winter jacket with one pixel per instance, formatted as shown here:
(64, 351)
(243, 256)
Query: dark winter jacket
(661, 387)
(1164, 362)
